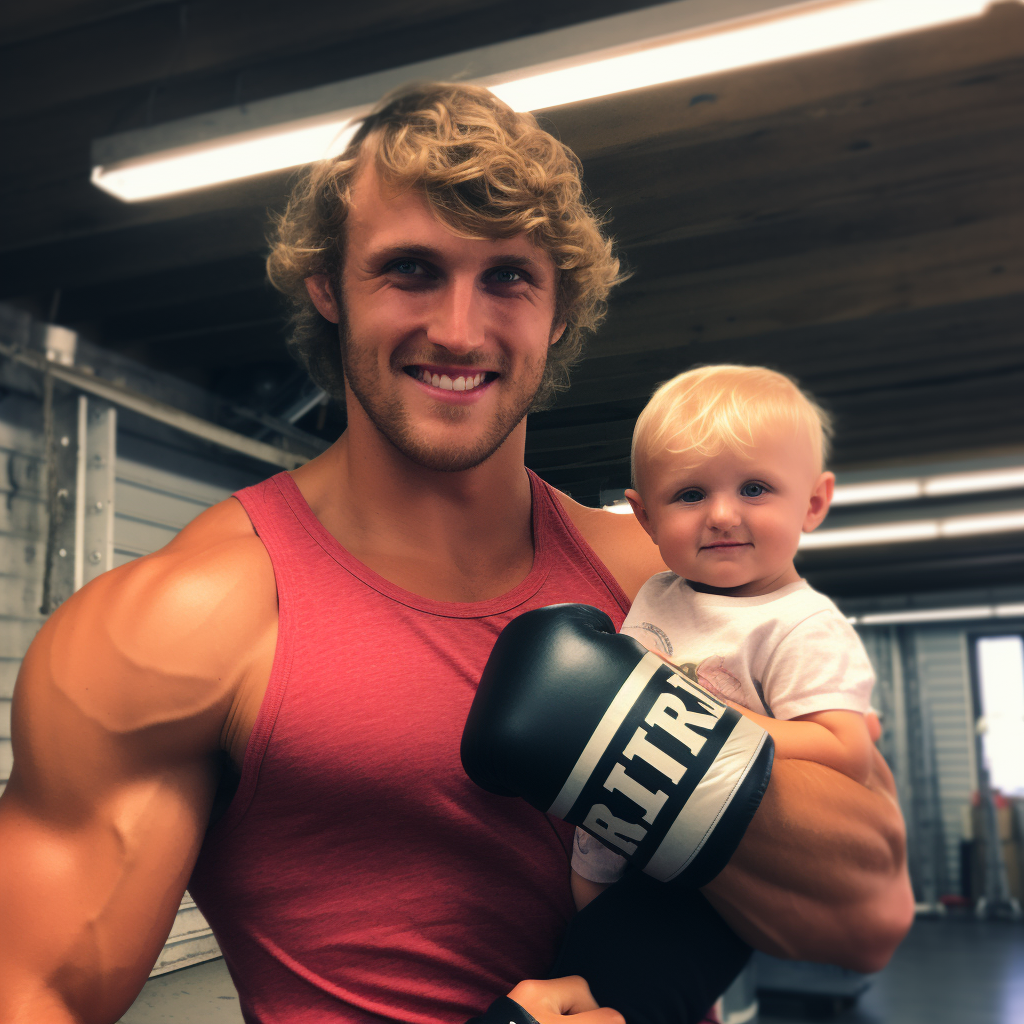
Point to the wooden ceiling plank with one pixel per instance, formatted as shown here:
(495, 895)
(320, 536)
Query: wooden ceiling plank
(712, 106)
(156, 43)
(849, 282)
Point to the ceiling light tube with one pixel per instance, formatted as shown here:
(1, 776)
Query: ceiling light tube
(962, 614)
(800, 31)
(925, 615)
(872, 492)
(914, 530)
(1006, 479)
(238, 156)
(786, 31)
(877, 533)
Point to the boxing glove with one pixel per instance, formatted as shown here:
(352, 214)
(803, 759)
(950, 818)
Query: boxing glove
(504, 1011)
(588, 726)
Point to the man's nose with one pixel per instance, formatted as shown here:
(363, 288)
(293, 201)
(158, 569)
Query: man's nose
(456, 319)
(723, 512)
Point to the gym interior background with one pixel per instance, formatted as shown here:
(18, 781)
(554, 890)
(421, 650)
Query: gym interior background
(852, 217)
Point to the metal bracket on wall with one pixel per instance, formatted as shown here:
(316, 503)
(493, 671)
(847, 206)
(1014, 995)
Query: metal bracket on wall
(81, 447)
(94, 534)
(61, 415)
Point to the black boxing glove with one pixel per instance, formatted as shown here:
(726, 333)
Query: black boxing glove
(504, 1011)
(588, 726)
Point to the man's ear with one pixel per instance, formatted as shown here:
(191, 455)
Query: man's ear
(633, 497)
(557, 331)
(821, 498)
(321, 291)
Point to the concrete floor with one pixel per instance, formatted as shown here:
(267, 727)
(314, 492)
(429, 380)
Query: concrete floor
(953, 971)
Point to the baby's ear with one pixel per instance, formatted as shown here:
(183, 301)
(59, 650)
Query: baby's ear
(633, 497)
(821, 498)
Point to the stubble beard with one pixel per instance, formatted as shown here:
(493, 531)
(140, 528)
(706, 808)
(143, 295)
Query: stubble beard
(388, 414)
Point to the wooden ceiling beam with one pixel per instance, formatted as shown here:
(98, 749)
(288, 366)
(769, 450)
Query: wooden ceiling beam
(712, 106)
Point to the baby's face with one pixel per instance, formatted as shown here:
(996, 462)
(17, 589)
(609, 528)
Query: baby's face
(733, 522)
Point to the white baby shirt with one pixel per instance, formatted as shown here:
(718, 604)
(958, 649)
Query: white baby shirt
(783, 654)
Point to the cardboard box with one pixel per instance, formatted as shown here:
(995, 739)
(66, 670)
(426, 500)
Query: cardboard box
(1006, 820)
(1013, 858)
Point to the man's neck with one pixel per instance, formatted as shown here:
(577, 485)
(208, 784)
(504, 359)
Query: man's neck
(450, 536)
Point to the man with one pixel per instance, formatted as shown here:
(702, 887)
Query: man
(323, 634)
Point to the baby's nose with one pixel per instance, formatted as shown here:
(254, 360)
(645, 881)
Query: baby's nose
(723, 513)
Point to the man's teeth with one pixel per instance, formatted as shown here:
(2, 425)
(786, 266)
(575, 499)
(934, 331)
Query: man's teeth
(445, 383)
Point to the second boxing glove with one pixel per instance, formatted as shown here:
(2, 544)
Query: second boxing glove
(588, 726)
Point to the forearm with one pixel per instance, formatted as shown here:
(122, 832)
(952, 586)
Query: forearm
(835, 739)
(821, 872)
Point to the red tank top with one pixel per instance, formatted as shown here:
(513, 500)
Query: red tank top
(358, 875)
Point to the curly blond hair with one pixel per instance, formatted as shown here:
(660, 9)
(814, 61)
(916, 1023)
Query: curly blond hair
(485, 171)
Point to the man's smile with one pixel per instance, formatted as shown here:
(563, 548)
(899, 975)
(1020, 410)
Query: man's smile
(450, 378)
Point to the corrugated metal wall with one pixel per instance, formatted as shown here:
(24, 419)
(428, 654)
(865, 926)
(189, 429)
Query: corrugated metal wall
(22, 543)
(945, 678)
(924, 693)
(158, 490)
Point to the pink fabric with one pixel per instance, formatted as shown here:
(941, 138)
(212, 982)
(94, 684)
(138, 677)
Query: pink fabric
(358, 874)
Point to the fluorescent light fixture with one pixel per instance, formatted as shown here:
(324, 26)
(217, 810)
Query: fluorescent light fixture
(962, 614)
(989, 522)
(873, 491)
(782, 31)
(237, 156)
(622, 508)
(877, 533)
(915, 529)
(1007, 479)
(925, 615)
(870, 492)
(794, 32)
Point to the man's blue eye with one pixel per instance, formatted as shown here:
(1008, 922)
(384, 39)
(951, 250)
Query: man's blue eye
(507, 276)
(406, 266)
(691, 496)
(752, 490)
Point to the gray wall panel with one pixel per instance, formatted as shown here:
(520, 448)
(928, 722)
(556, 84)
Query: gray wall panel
(22, 546)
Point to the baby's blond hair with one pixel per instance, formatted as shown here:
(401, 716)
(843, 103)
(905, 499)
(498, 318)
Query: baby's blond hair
(712, 408)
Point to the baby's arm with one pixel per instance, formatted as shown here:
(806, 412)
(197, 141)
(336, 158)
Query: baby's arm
(836, 739)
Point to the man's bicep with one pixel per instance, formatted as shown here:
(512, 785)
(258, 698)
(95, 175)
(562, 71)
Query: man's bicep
(99, 827)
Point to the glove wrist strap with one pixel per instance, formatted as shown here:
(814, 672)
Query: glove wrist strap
(504, 1011)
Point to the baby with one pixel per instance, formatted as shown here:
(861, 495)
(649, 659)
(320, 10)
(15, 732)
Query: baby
(728, 470)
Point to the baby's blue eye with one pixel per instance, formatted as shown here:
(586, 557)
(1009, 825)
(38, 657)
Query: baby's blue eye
(692, 495)
(752, 490)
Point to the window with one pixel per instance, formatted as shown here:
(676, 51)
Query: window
(1000, 678)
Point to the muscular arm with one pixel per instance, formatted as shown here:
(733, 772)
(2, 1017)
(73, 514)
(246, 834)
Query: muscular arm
(119, 708)
(821, 873)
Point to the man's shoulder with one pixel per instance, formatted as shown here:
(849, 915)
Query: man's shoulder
(619, 541)
(170, 628)
(217, 559)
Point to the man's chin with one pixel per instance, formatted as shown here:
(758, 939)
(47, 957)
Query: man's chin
(447, 457)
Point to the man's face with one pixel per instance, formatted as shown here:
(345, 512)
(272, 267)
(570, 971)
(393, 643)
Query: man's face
(444, 339)
(733, 522)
